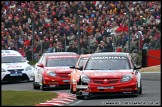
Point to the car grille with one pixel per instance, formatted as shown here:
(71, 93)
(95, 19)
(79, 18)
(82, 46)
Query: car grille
(15, 78)
(105, 81)
(17, 70)
(63, 75)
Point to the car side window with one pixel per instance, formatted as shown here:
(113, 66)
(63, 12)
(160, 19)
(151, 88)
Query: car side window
(40, 60)
(44, 61)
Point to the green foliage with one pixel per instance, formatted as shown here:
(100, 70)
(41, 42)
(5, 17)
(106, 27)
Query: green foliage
(32, 62)
(25, 98)
(139, 58)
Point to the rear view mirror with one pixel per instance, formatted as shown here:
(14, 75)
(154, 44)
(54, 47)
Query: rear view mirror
(79, 67)
(40, 65)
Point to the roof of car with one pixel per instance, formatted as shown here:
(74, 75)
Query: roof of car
(60, 53)
(111, 53)
(85, 55)
(9, 51)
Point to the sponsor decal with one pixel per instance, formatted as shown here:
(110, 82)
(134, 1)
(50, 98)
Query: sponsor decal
(67, 56)
(64, 70)
(104, 74)
(11, 66)
(10, 55)
(99, 74)
(8, 64)
(109, 57)
(85, 58)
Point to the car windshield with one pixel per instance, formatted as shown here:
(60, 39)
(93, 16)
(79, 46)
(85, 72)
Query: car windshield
(82, 61)
(12, 59)
(107, 64)
(54, 62)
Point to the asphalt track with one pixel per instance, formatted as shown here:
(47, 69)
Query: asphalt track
(151, 84)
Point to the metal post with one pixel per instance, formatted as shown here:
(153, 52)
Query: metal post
(128, 25)
(129, 30)
(41, 47)
(139, 37)
(17, 45)
(65, 44)
(75, 9)
(78, 33)
(114, 44)
(32, 40)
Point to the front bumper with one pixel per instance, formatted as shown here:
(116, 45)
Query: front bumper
(56, 81)
(17, 78)
(88, 90)
(26, 75)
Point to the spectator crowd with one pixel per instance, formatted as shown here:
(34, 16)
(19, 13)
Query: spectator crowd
(103, 26)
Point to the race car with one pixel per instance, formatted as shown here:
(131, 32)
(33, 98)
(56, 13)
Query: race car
(52, 70)
(15, 67)
(109, 73)
(75, 73)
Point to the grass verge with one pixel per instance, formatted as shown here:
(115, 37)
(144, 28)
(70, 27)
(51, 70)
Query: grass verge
(151, 69)
(25, 98)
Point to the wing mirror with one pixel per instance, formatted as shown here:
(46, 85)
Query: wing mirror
(137, 67)
(80, 68)
(40, 65)
(73, 67)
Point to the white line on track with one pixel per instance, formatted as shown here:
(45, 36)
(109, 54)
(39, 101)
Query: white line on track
(57, 101)
(52, 103)
(77, 102)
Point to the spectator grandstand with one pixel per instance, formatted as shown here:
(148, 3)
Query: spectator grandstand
(103, 26)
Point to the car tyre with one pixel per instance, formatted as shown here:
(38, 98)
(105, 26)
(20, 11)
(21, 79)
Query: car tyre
(34, 84)
(136, 93)
(44, 87)
(80, 97)
(140, 89)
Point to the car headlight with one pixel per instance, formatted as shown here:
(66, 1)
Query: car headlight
(126, 78)
(3, 70)
(28, 68)
(85, 79)
(51, 73)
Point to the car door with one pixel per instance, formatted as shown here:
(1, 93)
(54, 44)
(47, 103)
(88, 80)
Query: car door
(77, 72)
(43, 61)
(39, 69)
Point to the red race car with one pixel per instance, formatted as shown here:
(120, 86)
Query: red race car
(52, 69)
(109, 73)
(75, 73)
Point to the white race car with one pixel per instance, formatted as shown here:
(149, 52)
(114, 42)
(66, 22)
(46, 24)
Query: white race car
(14, 67)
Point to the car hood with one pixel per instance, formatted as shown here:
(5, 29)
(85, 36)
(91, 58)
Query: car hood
(60, 69)
(9, 66)
(106, 73)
